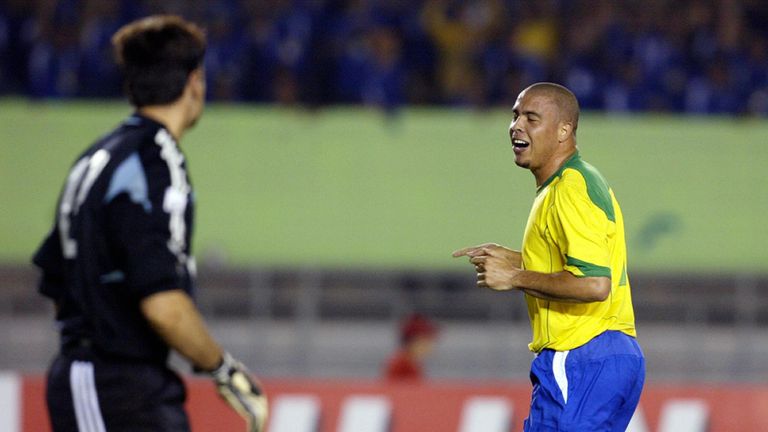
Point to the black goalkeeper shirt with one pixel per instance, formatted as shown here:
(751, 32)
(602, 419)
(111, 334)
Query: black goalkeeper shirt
(122, 232)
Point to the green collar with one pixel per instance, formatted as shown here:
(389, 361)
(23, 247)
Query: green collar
(573, 160)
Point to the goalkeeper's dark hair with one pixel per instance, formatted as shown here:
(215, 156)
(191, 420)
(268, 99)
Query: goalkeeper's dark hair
(156, 55)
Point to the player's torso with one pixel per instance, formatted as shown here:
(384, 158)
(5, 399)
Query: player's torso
(138, 160)
(538, 252)
(134, 160)
(559, 325)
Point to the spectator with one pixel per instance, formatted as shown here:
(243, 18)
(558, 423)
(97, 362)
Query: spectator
(99, 76)
(692, 56)
(371, 71)
(55, 55)
(226, 48)
(417, 341)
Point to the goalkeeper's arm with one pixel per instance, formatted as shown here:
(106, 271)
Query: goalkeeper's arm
(177, 320)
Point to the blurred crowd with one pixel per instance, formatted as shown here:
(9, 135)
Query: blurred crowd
(694, 56)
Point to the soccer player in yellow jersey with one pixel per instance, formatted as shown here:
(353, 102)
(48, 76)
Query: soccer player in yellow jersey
(589, 370)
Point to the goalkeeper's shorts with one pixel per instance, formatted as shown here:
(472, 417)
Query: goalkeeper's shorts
(87, 392)
(595, 387)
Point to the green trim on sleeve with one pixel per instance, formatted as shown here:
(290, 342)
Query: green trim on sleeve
(588, 269)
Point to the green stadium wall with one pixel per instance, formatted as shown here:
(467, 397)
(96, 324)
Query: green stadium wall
(350, 187)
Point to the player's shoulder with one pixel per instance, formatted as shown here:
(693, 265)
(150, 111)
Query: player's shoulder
(139, 159)
(133, 150)
(581, 180)
(129, 136)
(578, 171)
(143, 137)
(138, 131)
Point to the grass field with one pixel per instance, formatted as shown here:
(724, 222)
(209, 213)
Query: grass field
(346, 187)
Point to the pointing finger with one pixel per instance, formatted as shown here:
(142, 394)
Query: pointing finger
(475, 250)
(463, 252)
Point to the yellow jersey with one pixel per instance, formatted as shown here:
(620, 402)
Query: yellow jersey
(576, 225)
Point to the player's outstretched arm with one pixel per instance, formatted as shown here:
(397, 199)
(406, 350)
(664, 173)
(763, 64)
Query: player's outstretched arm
(512, 257)
(177, 320)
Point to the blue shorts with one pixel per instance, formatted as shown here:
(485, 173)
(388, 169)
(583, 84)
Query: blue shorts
(595, 387)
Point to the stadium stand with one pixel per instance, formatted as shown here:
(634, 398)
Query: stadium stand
(657, 55)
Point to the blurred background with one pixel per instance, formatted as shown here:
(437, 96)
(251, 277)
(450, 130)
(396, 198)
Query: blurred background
(693, 56)
(350, 146)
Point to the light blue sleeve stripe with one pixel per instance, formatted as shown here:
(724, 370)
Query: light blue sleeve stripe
(129, 177)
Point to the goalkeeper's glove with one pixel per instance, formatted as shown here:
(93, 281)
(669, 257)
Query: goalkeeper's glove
(241, 392)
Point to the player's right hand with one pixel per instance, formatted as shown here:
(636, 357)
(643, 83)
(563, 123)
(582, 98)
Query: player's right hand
(512, 257)
(242, 392)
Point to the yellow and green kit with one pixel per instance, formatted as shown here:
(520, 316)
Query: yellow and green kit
(576, 225)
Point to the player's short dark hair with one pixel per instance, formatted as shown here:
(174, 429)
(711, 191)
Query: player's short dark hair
(156, 55)
(567, 104)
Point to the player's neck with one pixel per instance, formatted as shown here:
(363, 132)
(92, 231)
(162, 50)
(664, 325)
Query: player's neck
(543, 173)
(170, 116)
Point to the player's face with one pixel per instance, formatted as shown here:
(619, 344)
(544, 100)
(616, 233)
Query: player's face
(533, 130)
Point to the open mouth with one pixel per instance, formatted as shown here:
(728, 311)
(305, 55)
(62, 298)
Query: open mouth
(520, 144)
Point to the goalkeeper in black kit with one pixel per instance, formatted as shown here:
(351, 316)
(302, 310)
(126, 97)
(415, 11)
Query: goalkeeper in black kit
(118, 265)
